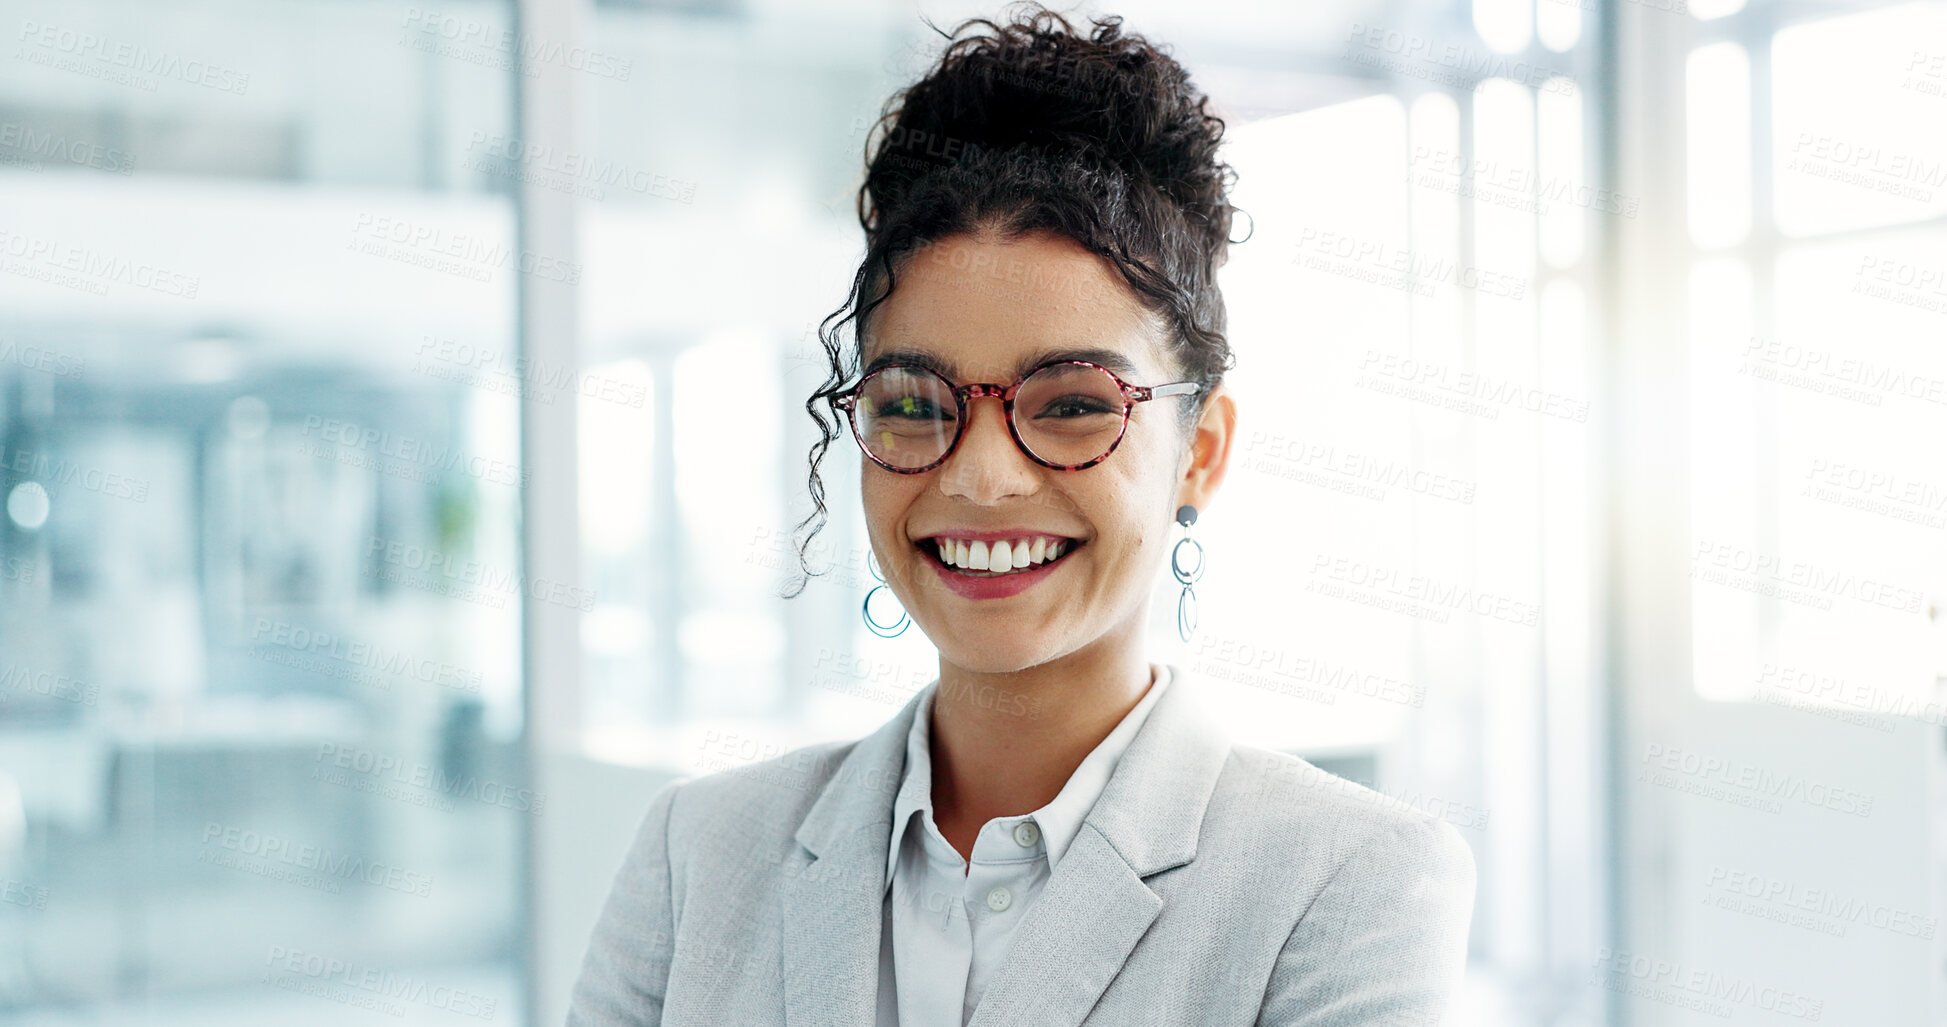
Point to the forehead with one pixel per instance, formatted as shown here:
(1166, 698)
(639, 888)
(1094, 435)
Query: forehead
(984, 308)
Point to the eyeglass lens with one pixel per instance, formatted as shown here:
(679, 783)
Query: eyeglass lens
(1064, 414)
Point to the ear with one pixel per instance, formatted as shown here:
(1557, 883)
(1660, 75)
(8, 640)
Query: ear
(1208, 457)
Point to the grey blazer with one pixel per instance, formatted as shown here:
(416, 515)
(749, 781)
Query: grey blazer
(1212, 884)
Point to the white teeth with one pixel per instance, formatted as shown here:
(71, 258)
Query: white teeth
(1000, 557)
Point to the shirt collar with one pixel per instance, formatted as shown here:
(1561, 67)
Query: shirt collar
(1061, 819)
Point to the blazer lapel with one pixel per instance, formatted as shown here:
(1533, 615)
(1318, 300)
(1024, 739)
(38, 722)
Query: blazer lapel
(834, 896)
(1095, 907)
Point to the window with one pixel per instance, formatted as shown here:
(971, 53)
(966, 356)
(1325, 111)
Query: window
(260, 692)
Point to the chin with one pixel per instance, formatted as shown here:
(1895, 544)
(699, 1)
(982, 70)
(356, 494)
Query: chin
(968, 651)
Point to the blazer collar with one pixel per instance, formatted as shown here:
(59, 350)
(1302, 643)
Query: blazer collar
(1082, 928)
(1060, 819)
(860, 793)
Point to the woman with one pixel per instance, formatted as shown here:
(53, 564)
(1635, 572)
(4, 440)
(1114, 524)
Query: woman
(1051, 832)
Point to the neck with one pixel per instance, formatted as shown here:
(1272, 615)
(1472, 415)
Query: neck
(1004, 744)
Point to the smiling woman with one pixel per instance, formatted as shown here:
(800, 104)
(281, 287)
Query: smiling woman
(1052, 831)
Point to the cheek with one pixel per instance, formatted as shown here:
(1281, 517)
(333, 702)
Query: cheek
(885, 503)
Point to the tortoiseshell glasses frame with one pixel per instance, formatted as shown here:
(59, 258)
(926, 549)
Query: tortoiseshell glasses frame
(848, 401)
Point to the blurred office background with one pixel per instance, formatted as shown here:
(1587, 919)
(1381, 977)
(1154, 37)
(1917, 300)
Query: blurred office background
(364, 566)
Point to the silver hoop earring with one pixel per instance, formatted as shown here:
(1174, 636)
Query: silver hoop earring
(882, 630)
(1186, 604)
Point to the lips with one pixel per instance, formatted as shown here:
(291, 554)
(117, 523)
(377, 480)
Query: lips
(999, 554)
(996, 564)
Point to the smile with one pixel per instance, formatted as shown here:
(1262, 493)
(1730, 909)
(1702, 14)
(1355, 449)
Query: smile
(997, 556)
(996, 566)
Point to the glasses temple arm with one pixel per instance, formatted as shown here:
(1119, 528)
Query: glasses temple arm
(1172, 389)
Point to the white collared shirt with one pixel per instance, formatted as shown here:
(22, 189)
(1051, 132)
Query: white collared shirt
(947, 924)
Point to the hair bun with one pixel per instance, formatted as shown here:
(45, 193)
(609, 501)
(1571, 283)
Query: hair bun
(1032, 89)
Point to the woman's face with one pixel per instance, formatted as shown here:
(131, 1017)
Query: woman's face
(987, 310)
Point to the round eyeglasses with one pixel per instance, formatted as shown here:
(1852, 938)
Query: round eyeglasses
(1065, 414)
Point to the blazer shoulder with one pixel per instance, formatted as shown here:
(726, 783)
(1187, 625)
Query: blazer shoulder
(768, 795)
(1377, 896)
(1338, 818)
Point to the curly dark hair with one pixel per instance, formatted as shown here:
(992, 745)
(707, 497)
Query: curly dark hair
(1027, 125)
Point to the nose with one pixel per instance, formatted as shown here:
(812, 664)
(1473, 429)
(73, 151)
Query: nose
(987, 466)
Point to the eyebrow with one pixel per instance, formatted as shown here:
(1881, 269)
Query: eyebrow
(1117, 363)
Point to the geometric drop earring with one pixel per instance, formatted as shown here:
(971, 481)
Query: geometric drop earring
(881, 630)
(1187, 565)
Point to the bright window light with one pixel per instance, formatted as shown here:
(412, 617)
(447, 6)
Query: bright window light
(1718, 140)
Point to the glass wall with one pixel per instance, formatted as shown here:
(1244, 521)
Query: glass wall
(260, 699)
(1782, 766)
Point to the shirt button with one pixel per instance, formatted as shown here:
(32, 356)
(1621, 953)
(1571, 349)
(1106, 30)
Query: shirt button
(1026, 834)
(999, 899)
